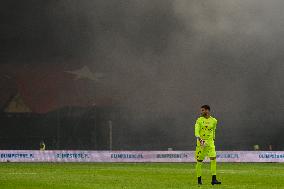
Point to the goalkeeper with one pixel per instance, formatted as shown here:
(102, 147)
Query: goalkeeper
(205, 127)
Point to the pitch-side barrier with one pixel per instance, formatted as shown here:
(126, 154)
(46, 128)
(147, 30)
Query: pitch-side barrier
(134, 156)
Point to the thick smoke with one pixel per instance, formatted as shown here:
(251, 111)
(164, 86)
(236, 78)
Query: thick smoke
(165, 58)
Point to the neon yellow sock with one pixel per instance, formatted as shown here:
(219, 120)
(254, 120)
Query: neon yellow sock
(213, 167)
(198, 168)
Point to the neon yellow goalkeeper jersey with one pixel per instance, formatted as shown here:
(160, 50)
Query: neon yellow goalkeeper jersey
(205, 128)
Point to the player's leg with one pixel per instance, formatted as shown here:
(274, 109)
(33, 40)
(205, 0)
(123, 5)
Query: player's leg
(198, 171)
(199, 156)
(213, 165)
(212, 155)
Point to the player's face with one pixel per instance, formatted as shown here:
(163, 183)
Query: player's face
(204, 112)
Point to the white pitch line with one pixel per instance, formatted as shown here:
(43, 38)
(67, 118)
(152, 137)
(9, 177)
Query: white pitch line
(19, 173)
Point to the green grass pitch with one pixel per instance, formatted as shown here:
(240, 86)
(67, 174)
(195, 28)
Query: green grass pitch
(137, 175)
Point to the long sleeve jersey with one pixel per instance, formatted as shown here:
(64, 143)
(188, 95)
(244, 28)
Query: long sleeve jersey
(205, 128)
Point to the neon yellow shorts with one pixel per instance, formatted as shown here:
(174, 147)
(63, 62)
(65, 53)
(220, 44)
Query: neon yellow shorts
(208, 150)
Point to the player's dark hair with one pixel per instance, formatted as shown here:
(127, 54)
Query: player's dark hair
(206, 107)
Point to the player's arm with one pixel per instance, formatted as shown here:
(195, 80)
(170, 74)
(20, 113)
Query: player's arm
(197, 132)
(214, 129)
(197, 129)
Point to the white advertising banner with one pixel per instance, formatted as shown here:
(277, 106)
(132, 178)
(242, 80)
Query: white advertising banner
(134, 156)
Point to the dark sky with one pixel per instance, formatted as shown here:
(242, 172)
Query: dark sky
(163, 57)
